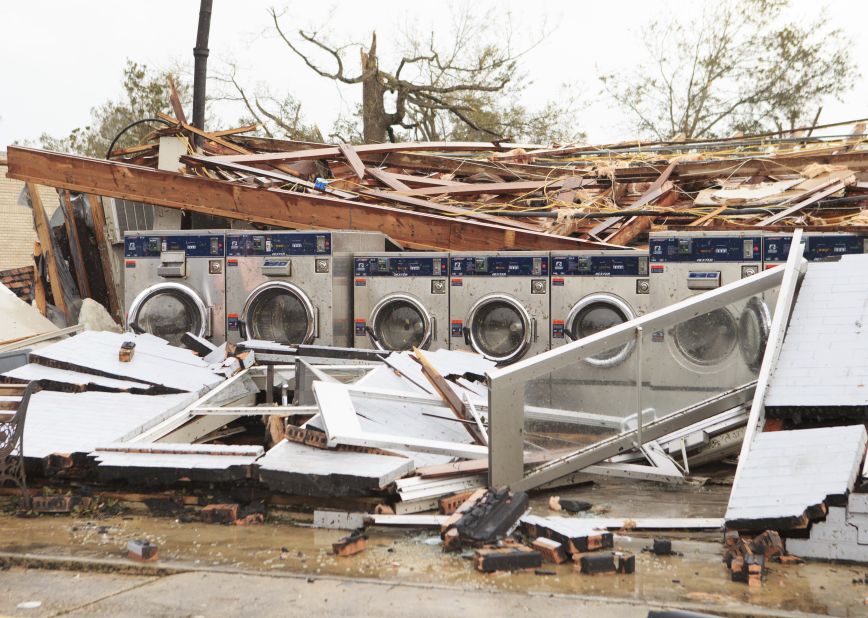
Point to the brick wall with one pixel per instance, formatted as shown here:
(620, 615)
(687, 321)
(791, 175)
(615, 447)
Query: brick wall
(16, 222)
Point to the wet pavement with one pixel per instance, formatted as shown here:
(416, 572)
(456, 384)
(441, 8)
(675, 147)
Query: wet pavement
(415, 556)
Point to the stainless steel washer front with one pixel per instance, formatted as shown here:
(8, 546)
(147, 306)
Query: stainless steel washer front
(399, 322)
(279, 311)
(169, 310)
(598, 312)
(499, 328)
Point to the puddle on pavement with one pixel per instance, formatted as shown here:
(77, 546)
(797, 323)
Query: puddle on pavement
(414, 556)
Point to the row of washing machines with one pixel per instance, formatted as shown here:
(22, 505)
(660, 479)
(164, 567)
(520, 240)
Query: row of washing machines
(344, 289)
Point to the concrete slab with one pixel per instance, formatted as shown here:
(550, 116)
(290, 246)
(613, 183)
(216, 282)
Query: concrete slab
(59, 591)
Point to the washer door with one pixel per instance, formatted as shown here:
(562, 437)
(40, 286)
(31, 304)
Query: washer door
(595, 313)
(500, 328)
(707, 339)
(753, 332)
(169, 310)
(279, 312)
(399, 322)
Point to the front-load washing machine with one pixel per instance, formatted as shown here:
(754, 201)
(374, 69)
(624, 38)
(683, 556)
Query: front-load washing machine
(592, 291)
(401, 300)
(819, 246)
(499, 304)
(293, 287)
(174, 283)
(715, 351)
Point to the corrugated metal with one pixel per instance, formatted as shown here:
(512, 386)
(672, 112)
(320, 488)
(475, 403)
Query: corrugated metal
(822, 361)
(32, 371)
(788, 471)
(154, 361)
(79, 422)
(301, 459)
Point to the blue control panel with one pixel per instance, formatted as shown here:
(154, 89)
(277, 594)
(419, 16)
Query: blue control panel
(400, 266)
(706, 249)
(279, 244)
(600, 265)
(499, 266)
(201, 245)
(817, 248)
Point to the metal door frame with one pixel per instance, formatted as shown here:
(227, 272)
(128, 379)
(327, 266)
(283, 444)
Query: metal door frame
(507, 384)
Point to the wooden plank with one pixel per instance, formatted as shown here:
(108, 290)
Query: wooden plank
(175, 101)
(450, 397)
(209, 162)
(448, 209)
(656, 190)
(496, 188)
(98, 216)
(272, 206)
(330, 152)
(353, 159)
(75, 245)
(836, 185)
(638, 225)
(390, 180)
(43, 233)
(38, 284)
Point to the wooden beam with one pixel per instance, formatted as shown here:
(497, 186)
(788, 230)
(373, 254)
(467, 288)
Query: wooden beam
(638, 225)
(98, 216)
(496, 188)
(75, 245)
(330, 152)
(43, 233)
(272, 206)
(353, 159)
(387, 179)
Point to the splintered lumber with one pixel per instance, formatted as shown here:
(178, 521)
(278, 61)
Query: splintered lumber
(43, 233)
(270, 206)
(352, 157)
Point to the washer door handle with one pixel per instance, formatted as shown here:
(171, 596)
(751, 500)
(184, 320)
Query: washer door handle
(242, 329)
(535, 333)
(466, 331)
(134, 326)
(372, 334)
(568, 334)
(209, 321)
(433, 321)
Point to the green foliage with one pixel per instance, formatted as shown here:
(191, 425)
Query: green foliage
(146, 92)
(741, 66)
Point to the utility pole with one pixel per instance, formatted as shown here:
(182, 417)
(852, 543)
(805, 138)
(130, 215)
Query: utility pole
(200, 69)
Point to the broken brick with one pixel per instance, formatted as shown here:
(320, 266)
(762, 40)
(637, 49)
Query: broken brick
(143, 551)
(350, 545)
(595, 564)
(509, 557)
(551, 551)
(220, 513)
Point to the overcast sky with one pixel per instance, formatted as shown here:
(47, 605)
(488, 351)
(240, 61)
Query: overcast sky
(60, 59)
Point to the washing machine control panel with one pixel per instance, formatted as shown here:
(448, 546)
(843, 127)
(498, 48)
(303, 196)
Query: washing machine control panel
(279, 244)
(499, 266)
(200, 245)
(706, 249)
(401, 266)
(817, 248)
(600, 265)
